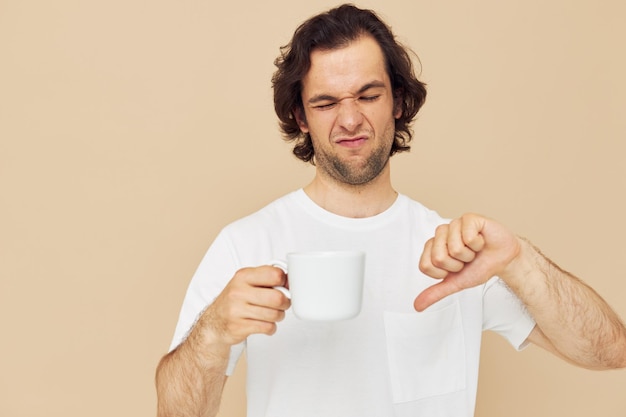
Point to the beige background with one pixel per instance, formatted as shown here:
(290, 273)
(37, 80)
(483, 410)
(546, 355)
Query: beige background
(132, 131)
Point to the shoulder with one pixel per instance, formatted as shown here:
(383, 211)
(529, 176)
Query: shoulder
(265, 218)
(421, 212)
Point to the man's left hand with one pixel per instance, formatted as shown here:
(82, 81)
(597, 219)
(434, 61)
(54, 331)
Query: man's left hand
(465, 253)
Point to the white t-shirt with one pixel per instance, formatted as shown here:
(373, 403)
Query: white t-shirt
(390, 360)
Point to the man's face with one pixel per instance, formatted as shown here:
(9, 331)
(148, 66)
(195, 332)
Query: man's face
(349, 111)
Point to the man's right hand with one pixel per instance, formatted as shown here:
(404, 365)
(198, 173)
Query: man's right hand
(190, 379)
(248, 305)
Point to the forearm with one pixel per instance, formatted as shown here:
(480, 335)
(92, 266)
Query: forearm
(579, 324)
(190, 379)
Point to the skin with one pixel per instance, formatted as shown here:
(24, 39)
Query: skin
(573, 321)
(349, 111)
(191, 378)
(350, 114)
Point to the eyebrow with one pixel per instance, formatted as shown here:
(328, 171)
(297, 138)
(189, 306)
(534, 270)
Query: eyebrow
(328, 97)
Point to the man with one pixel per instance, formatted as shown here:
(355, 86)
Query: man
(345, 93)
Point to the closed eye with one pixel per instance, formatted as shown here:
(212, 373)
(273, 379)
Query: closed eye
(369, 98)
(366, 99)
(326, 106)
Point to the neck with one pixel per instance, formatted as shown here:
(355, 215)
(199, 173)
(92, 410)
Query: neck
(355, 201)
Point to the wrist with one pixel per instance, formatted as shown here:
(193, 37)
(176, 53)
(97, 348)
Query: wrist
(206, 342)
(521, 264)
(528, 272)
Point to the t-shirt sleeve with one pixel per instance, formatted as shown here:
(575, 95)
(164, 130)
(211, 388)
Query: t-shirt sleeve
(505, 314)
(216, 268)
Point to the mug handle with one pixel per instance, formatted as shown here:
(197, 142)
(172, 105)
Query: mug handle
(282, 265)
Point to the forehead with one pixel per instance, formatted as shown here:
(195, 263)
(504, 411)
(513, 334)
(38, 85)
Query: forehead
(345, 69)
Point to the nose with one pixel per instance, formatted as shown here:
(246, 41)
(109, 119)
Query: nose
(349, 116)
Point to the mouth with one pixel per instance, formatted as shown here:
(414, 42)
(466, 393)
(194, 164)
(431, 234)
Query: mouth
(351, 142)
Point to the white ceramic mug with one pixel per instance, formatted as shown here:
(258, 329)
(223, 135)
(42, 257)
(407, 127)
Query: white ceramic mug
(324, 286)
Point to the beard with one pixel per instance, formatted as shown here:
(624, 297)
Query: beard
(356, 171)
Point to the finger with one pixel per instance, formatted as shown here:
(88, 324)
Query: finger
(440, 256)
(434, 293)
(245, 327)
(426, 265)
(271, 315)
(456, 245)
(237, 321)
(269, 298)
(472, 227)
(263, 276)
(238, 295)
(263, 327)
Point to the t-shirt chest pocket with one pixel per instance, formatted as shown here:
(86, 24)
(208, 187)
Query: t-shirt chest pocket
(426, 352)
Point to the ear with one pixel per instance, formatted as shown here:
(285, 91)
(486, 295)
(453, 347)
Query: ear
(397, 104)
(301, 120)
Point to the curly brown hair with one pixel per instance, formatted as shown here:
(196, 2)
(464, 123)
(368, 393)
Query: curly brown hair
(333, 29)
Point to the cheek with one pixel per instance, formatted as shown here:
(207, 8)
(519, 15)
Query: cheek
(321, 124)
(380, 123)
